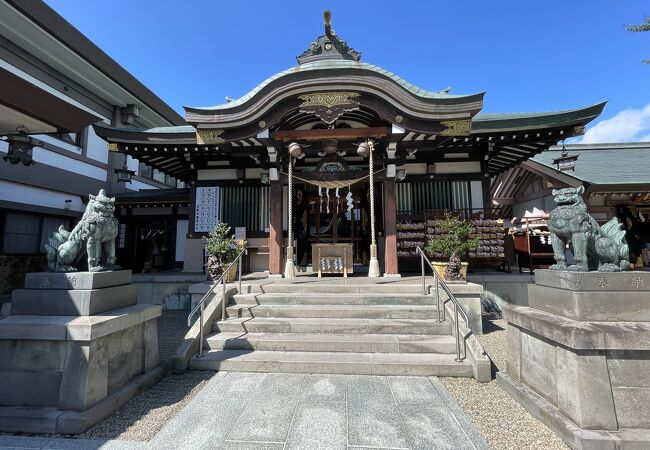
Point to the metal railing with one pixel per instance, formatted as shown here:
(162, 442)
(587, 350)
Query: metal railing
(200, 306)
(458, 309)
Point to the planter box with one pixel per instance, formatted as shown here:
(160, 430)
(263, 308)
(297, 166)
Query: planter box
(440, 267)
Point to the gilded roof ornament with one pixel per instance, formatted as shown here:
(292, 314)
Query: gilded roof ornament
(327, 18)
(209, 136)
(456, 127)
(328, 106)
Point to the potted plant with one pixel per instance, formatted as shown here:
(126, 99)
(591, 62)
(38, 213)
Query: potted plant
(222, 249)
(451, 241)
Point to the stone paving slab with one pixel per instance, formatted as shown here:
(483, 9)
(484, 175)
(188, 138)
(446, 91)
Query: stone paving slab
(23, 442)
(274, 411)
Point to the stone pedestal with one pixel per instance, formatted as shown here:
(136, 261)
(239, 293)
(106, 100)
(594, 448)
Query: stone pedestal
(579, 357)
(75, 347)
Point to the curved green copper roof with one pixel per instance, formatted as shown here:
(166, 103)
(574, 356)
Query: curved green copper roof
(491, 122)
(528, 115)
(331, 65)
(482, 122)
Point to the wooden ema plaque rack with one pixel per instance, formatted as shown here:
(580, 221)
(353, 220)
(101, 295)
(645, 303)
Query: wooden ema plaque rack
(332, 258)
(415, 229)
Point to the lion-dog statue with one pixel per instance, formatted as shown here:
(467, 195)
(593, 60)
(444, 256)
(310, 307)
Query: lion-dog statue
(98, 228)
(594, 247)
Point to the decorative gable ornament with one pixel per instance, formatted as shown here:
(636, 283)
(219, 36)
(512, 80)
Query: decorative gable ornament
(209, 136)
(456, 127)
(328, 106)
(328, 46)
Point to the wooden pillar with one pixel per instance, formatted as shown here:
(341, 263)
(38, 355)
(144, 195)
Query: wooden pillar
(390, 227)
(275, 228)
(486, 182)
(487, 198)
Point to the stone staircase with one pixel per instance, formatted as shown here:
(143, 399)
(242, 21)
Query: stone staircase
(328, 327)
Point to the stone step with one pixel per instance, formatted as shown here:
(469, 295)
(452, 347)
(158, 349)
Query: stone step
(343, 343)
(332, 325)
(335, 311)
(422, 364)
(333, 299)
(340, 286)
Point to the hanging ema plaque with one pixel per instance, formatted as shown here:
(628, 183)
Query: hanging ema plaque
(206, 210)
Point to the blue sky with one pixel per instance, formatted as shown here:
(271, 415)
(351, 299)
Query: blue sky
(527, 55)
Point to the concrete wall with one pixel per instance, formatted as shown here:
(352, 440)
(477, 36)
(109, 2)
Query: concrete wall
(500, 289)
(193, 255)
(469, 296)
(170, 290)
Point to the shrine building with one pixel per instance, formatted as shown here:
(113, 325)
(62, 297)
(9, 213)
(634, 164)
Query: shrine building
(329, 117)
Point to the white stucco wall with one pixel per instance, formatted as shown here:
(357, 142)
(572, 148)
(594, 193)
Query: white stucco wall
(30, 195)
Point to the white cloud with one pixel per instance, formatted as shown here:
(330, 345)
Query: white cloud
(626, 126)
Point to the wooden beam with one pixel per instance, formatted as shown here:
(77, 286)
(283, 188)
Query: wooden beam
(504, 201)
(334, 133)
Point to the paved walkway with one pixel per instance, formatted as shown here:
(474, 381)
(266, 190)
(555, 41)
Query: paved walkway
(257, 411)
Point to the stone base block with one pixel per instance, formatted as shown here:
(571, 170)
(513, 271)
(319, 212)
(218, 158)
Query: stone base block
(76, 280)
(594, 281)
(17, 419)
(592, 296)
(573, 435)
(597, 306)
(578, 357)
(69, 357)
(77, 302)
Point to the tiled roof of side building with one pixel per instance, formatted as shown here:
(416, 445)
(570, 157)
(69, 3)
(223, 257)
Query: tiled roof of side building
(612, 163)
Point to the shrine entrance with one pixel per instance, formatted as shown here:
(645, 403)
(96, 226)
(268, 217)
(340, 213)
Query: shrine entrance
(331, 216)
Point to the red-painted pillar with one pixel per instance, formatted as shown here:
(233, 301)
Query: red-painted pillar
(275, 228)
(390, 227)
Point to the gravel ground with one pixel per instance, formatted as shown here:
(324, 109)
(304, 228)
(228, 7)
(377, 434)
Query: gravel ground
(172, 327)
(503, 422)
(144, 415)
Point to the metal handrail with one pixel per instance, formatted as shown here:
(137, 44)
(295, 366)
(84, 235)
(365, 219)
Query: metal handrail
(200, 306)
(458, 309)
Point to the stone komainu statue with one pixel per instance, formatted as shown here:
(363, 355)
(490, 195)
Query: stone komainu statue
(98, 227)
(594, 247)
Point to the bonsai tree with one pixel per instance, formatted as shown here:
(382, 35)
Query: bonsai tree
(221, 248)
(453, 242)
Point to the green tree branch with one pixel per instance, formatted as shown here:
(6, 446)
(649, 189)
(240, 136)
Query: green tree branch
(645, 26)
